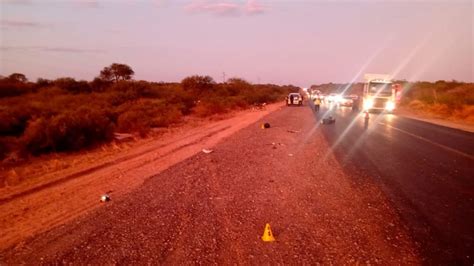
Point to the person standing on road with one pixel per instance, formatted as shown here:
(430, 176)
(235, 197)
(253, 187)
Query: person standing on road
(291, 98)
(317, 103)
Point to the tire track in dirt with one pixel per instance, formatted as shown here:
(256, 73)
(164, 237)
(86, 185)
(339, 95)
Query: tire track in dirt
(49, 205)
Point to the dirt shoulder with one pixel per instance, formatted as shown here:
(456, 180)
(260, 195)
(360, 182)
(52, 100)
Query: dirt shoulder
(457, 124)
(55, 195)
(212, 209)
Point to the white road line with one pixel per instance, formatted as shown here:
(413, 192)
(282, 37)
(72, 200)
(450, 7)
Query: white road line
(429, 141)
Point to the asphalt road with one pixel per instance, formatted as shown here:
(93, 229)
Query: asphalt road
(426, 170)
(384, 191)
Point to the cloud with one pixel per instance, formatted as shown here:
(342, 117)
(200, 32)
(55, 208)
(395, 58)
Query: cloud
(8, 23)
(51, 49)
(88, 3)
(225, 8)
(20, 2)
(252, 7)
(161, 3)
(216, 8)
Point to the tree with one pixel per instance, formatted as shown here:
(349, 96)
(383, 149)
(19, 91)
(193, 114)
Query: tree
(71, 85)
(198, 85)
(18, 77)
(99, 84)
(41, 82)
(238, 85)
(116, 72)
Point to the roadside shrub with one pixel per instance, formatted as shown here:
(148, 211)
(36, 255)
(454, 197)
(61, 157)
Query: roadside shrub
(71, 130)
(99, 84)
(10, 88)
(35, 139)
(73, 86)
(416, 105)
(134, 121)
(169, 115)
(183, 101)
(237, 102)
(14, 118)
(145, 114)
(9, 124)
(440, 109)
(3, 148)
(41, 83)
(198, 85)
(210, 107)
(131, 90)
(463, 95)
(465, 113)
(66, 115)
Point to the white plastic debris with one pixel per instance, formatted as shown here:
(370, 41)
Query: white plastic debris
(105, 198)
(293, 131)
(207, 151)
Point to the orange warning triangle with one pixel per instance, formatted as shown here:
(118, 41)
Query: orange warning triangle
(267, 234)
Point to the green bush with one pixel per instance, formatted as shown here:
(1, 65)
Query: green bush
(66, 114)
(9, 123)
(73, 86)
(71, 130)
(210, 107)
(198, 85)
(132, 89)
(145, 114)
(10, 88)
(35, 138)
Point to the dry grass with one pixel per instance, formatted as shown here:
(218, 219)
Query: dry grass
(446, 100)
(66, 115)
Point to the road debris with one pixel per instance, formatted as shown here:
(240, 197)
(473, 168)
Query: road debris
(265, 125)
(105, 198)
(328, 120)
(293, 131)
(207, 151)
(123, 136)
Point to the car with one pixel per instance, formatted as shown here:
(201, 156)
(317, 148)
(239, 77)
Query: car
(294, 99)
(331, 97)
(345, 101)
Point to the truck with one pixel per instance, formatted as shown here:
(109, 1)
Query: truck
(379, 93)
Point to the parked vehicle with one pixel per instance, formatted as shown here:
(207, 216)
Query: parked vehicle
(345, 101)
(294, 99)
(331, 97)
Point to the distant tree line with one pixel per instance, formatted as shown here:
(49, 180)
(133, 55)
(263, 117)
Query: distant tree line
(67, 114)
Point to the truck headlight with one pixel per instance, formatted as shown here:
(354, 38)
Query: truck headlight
(390, 106)
(369, 103)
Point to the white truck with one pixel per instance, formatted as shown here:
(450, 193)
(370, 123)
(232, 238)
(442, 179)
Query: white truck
(378, 93)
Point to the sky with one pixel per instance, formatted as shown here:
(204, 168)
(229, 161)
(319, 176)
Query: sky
(283, 42)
